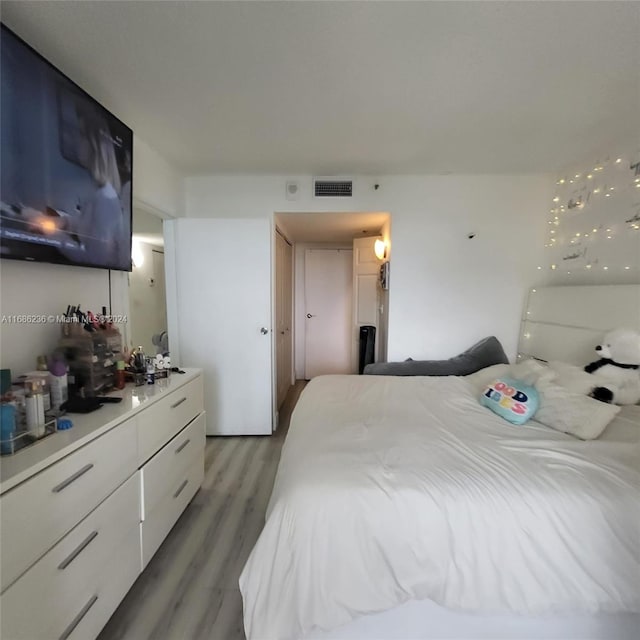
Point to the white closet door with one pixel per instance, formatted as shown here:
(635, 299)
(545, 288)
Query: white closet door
(284, 317)
(222, 315)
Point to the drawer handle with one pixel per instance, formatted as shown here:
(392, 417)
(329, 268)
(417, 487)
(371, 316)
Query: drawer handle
(181, 488)
(177, 404)
(76, 621)
(78, 550)
(183, 445)
(65, 483)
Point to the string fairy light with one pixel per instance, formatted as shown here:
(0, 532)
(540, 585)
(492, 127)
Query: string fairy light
(583, 192)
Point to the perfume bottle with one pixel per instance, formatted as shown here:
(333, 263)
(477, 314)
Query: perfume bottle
(139, 366)
(34, 407)
(151, 371)
(138, 360)
(120, 380)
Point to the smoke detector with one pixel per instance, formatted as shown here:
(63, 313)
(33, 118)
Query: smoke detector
(292, 190)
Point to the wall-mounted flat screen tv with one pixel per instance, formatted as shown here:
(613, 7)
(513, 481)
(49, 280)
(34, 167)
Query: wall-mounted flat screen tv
(65, 167)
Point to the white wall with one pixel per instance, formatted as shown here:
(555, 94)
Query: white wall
(446, 291)
(46, 289)
(38, 288)
(156, 183)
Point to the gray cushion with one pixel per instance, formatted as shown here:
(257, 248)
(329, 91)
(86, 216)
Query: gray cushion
(482, 354)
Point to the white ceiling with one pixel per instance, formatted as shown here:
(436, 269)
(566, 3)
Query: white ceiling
(331, 88)
(330, 227)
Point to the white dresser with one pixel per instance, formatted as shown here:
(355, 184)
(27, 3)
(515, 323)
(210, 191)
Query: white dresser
(83, 511)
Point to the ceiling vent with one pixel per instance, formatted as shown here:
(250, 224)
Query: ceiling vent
(332, 188)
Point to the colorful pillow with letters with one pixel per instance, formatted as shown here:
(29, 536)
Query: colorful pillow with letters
(511, 399)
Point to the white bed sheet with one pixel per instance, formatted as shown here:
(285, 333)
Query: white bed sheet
(398, 489)
(425, 620)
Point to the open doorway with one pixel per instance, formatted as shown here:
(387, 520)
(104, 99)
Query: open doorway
(335, 289)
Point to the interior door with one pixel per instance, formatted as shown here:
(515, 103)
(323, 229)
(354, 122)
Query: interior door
(284, 317)
(328, 298)
(222, 310)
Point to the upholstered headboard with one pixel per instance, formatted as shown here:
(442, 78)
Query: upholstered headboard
(566, 323)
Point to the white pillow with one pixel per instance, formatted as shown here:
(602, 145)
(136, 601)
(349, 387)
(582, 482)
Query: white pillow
(572, 377)
(480, 379)
(573, 413)
(528, 371)
(532, 372)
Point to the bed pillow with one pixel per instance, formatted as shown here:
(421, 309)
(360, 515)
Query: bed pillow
(482, 354)
(532, 372)
(528, 371)
(511, 399)
(480, 379)
(573, 413)
(571, 377)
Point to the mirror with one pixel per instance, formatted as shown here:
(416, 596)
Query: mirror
(147, 293)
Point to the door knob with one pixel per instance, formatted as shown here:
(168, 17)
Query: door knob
(309, 315)
(264, 331)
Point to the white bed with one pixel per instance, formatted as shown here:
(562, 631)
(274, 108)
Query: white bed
(404, 509)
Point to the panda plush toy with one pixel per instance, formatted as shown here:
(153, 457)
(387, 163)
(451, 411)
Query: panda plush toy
(617, 372)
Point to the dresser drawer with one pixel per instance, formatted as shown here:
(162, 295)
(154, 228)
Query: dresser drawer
(40, 511)
(159, 520)
(161, 421)
(73, 589)
(161, 473)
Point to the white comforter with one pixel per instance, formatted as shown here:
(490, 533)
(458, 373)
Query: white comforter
(390, 489)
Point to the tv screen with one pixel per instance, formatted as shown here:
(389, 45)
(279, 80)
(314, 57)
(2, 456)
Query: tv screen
(65, 167)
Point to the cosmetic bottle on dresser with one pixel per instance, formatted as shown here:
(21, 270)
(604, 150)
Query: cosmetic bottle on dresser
(151, 371)
(34, 407)
(58, 382)
(139, 366)
(120, 378)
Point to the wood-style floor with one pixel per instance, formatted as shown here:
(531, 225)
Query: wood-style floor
(189, 590)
